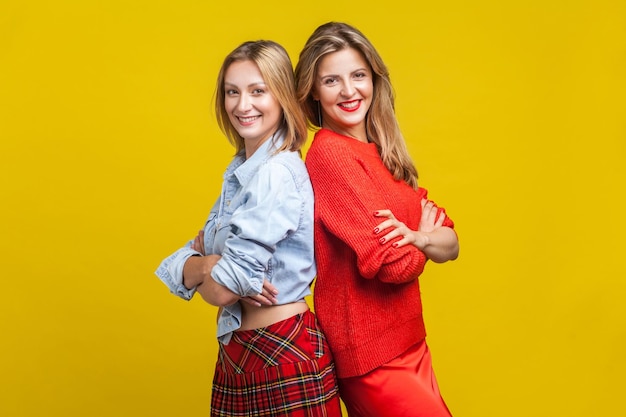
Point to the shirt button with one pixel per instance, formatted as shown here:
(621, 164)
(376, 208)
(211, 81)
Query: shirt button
(228, 323)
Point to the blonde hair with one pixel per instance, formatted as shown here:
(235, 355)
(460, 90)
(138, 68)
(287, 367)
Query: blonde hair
(277, 72)
(380, 122)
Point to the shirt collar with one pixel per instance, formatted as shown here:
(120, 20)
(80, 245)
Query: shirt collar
(244, 169)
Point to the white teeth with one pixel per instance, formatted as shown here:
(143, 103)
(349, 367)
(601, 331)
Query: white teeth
(350, 105)
(248, 119)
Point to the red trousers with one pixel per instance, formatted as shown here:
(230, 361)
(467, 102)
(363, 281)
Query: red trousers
(404, 387)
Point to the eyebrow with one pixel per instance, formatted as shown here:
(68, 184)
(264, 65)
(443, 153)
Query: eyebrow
(352, 72)
(260, 83)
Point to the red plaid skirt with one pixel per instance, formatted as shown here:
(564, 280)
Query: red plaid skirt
(285, 369)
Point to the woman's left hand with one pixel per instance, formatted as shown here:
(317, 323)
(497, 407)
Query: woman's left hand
(431, 218)
(198, 243)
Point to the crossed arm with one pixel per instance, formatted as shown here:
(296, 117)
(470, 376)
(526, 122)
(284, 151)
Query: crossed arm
(197, 273)
(438, 242)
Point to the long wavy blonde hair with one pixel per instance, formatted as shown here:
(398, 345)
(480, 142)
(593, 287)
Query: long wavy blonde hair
(277, 72)
(381, 123)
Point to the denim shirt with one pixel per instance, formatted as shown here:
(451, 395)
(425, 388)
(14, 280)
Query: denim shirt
(262, 226)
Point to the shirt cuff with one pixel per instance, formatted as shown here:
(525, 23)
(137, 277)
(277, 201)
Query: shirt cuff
(228, 274)
(170, 272)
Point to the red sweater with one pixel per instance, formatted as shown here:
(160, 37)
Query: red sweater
(367, 296)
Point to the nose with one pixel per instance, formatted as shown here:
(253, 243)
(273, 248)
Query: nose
(244, 104)
(348, 89)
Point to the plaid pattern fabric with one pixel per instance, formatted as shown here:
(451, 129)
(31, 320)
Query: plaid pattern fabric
(285, 369)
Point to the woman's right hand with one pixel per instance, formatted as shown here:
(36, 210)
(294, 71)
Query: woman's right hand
(269, 291)
(430, 221)
(267, 296)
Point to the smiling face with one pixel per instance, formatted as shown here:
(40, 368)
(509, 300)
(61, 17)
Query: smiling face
(344, 87)
(252, 109)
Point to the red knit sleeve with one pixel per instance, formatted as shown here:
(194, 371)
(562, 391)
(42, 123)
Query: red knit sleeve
(345, 201)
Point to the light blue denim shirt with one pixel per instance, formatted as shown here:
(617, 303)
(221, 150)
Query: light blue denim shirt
(262, 226)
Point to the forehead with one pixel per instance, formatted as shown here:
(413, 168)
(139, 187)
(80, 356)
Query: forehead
(345, 60)
(243, 73)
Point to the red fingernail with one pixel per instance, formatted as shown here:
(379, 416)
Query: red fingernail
(376, 213)
(382, 240)
(395, 245)
(376, 230)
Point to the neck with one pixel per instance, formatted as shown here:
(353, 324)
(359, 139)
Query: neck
(356, 132)
(252, 145)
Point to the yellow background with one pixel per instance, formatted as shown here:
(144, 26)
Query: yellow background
(110, 159)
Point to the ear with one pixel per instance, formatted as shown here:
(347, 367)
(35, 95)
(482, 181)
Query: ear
(315, 96)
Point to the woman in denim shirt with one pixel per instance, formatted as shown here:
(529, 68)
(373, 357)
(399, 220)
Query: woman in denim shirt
(254, 258)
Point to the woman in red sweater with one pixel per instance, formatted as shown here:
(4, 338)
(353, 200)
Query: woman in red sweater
(374, 229)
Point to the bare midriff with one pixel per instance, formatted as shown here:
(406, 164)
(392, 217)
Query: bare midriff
(256, 317)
